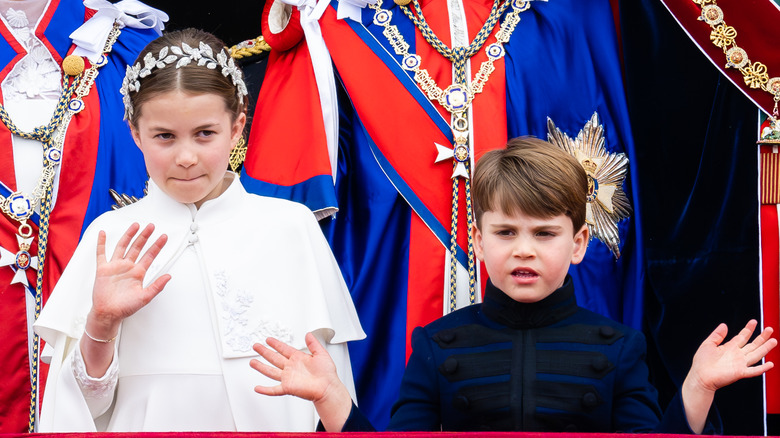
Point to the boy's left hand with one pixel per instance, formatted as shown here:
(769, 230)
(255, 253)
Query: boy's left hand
(716, 365)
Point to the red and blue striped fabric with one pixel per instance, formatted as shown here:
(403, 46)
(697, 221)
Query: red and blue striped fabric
(98, 154)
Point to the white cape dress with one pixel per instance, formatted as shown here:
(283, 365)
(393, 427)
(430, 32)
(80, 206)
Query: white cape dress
(243, 268)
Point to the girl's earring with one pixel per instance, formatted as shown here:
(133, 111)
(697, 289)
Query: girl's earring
(237, 155)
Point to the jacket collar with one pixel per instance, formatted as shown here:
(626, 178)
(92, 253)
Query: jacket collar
(557, 306)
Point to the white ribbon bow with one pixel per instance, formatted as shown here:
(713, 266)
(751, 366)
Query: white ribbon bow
(91, 37)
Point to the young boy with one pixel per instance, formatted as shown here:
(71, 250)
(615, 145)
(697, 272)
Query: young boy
(527, 358)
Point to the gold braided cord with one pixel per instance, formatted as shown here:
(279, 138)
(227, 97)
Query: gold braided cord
(754, 74)
(479, 40)
(470, 238)
(44, 135)
(78, 89)
(457, 55)
(456, 99)
(248, 48)
(70, 103)
(43, 240)
(454, 243)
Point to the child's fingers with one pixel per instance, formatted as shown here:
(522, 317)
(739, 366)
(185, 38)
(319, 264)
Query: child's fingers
(148, 258)
(266, 370)
(765, 336)
(273, 357)
(101, 247)
(758, 370)
(314, 345)
(258, 347)
(283, 349)
(760, 340)
(718, 335)
(139, 242)
(759, 353)
(157, 286)
(124, 241)
(269, 390)
(741, 339)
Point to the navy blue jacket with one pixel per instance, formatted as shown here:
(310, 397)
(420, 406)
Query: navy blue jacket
(544, 366)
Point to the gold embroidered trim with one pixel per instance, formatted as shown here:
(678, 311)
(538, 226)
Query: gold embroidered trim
(755, 74)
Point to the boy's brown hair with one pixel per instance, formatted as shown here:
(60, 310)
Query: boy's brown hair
(532, 176)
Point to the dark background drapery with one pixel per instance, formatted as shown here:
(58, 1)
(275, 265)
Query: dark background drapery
(695, 137)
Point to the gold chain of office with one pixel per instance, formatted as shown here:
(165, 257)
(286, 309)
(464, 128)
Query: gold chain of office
(456, 99)
(755, 74)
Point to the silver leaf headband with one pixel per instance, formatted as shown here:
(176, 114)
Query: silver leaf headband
(203, 55)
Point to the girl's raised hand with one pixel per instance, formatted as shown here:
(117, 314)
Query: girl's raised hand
(301, 374)
(118, 291)
(307, 376)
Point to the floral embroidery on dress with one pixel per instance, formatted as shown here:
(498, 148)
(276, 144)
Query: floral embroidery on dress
(238, 332)
(36, 75)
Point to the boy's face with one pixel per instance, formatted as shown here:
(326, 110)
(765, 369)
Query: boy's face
(528, 257)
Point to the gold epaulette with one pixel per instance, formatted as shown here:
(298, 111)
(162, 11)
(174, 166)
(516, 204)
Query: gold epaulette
(247, 48)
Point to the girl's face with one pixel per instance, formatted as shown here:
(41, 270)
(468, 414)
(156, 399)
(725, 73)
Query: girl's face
(186, 141)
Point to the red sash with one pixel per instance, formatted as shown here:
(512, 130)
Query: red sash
(66, 222)
(404, 125)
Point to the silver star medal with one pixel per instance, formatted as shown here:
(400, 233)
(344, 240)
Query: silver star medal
(22, 260)
(607, 203)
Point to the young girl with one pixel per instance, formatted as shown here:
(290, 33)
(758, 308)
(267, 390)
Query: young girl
(155, 333)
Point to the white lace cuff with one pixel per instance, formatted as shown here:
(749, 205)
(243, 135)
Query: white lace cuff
(92, 388)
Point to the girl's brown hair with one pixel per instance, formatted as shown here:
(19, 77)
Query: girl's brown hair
(192, 78)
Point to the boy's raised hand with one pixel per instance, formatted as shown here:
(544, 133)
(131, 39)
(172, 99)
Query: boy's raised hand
(308, 376)
(716, 365)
